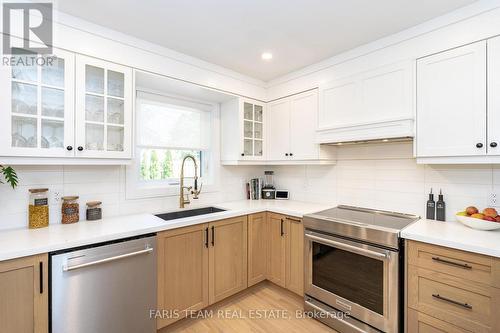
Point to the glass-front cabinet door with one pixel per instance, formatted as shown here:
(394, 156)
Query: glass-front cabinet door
(103, 109)
(253, 130)
(37, 106)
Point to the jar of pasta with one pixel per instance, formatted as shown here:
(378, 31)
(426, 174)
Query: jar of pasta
(38, 210)
(70, 210)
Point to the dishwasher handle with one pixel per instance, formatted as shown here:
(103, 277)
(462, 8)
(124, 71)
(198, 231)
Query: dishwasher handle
(67, 268)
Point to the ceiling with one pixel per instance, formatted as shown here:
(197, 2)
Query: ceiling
(234, 33)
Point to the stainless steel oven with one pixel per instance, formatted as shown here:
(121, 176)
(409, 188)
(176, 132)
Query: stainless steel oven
(354, 268)
(359, 279)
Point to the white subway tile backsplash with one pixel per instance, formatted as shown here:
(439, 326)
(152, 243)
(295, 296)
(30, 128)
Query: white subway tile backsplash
(375, 176)
(106, 184)
(388, 177)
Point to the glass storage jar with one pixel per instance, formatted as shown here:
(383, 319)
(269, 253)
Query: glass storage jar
(38, 210)
(70, 210)
(94, 210)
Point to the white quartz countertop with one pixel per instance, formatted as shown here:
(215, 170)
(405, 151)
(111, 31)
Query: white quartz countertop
(454, 235)
(17, 243)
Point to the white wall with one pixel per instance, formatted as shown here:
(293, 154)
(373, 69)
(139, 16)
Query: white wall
(387, 177)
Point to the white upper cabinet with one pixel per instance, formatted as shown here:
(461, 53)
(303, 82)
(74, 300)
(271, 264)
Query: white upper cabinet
(451, 103)
(376, 104)
(243, 131)
(66, 110)
(303, 124)
(493, 143)
(103, 109)
(280, 132)
(292, 130)
(338, 103)
(37, 118)
(279, 124)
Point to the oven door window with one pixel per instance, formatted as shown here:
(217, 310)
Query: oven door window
(354, 277)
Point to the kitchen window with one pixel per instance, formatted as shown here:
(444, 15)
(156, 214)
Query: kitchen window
(168, 129)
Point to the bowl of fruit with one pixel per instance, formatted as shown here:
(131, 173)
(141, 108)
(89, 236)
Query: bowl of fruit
(488, 219)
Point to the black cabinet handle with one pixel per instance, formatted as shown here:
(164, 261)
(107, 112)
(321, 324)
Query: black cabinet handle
(281, 228)
(493, 144)
(80, 148)
(291, 154)
(206, 237)
(41, 277)
(286, 154)
(446, 299)
(242, 154)
(479, 145)
(70, 148)
(213, 236)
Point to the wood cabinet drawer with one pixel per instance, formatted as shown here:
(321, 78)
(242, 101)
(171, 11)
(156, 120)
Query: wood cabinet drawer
(466, 265)
(466, 304)
(421, 323)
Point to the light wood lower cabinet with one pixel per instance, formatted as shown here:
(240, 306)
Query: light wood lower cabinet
(451, 290)
(421, 323)
(227, 258)
(294, 234)
(182, 272)
(203, 264)
(286, 252)
(276, 266)
(257, 248)
(24, 295)
(200, 265)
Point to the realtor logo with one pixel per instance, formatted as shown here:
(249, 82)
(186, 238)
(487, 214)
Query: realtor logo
(32, 22)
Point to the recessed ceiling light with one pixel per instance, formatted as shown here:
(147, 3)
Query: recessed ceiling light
(267, 56)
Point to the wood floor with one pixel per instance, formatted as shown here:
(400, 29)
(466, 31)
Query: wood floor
(261, 308)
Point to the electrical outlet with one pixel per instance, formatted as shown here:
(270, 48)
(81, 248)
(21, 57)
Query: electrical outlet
(493, 200)
(56, 196)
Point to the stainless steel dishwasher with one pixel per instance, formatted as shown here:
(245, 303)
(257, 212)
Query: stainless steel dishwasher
(107, 288)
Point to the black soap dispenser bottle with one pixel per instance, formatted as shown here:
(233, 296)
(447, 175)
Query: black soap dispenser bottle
(440, 207)
(431, 207)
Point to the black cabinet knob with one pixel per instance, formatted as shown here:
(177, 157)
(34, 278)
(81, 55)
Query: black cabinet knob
(291, 154)
(70, 148)
(493, 144)
(242, 154)
(479, 145)
(286, 154)
(80, 148)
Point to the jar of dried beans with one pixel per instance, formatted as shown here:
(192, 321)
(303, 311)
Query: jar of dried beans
(70, 210)
(38, 214)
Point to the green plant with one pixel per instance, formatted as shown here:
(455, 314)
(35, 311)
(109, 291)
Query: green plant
(10, 175)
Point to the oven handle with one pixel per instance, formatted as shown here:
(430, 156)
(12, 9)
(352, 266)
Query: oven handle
(347, 247)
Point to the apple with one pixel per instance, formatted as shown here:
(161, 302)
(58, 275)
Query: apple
(491, 212)
(477, 216)
(471, 210)
(489, 218)
(497, 218)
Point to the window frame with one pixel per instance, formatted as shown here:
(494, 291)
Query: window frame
(135, 188)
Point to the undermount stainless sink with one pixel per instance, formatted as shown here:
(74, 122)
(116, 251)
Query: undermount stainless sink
(188, 213)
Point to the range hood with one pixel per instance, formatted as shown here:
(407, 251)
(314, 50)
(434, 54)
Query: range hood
(374, 141)
(395, 130)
